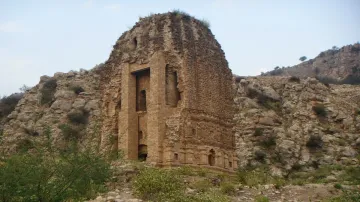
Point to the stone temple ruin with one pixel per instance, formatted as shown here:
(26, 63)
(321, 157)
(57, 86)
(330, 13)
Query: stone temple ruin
(168, 94)
(165, 95)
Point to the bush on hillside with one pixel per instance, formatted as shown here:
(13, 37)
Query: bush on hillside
(24, 145)
(205, 23)
(262, 198)
(70, 133)
(320, 110)
(314, 142)
(40, 177)
(48, 91)
(294, 79)
(269, 141)
(258, 132)
(254, 177)
(228, 188)
(8, 104)
(276, 72)
(158, 185)
(78, 117)
(181, 14)
(260, 156)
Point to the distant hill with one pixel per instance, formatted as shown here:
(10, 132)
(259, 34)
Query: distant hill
(337, 66)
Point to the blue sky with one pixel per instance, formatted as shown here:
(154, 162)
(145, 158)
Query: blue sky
(41, 37)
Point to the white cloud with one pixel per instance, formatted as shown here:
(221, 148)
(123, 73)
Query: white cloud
(10, 27)
(113, 7)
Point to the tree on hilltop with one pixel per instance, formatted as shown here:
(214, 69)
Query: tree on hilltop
(303, 58)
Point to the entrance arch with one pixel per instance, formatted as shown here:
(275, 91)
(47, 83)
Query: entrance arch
(211, 158)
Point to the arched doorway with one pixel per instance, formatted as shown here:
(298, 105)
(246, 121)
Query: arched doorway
(211, 158)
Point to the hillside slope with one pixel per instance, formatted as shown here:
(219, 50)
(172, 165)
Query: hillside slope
(331, 66)
(287, 123)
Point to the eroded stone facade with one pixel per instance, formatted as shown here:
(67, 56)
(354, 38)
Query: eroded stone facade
(168, 95)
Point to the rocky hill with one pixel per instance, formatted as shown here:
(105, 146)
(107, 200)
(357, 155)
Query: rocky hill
(290, 123)
(65, 105)
(331, 66)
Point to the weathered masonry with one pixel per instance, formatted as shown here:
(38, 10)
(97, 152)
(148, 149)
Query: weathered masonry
(167, 95)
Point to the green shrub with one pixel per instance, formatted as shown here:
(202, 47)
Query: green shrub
(352, 175)
(158, 185)
(202, 185)
(294, 79)
(253, 177)
(357, 112)
(227, 188)
(70, 132)
(264, 100)
(24, 145)
(279, 182)
(78, 117)
(8, 104)
(347, 196)
(258, 132)
(185, 170)
(39, 177)
(319, 175)
(314, 142)
(181, 14)
(202, 172)
(77, 89)
(212, 196)
(320, 110)
(337, 186)
(262, 199)
(205, 23)
(260, 155)
(48, 91)
(273, 105)
(268, 141)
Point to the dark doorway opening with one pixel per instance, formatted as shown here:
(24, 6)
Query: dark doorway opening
(142, 153)
(211, 158)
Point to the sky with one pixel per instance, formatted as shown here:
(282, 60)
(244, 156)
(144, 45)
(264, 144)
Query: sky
(42, 37)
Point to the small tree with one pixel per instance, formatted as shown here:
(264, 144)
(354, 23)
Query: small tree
(303, 58)
(335, 48)
(24, 88)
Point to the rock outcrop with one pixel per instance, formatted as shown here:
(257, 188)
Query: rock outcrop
(277, 123)
(33, 120)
